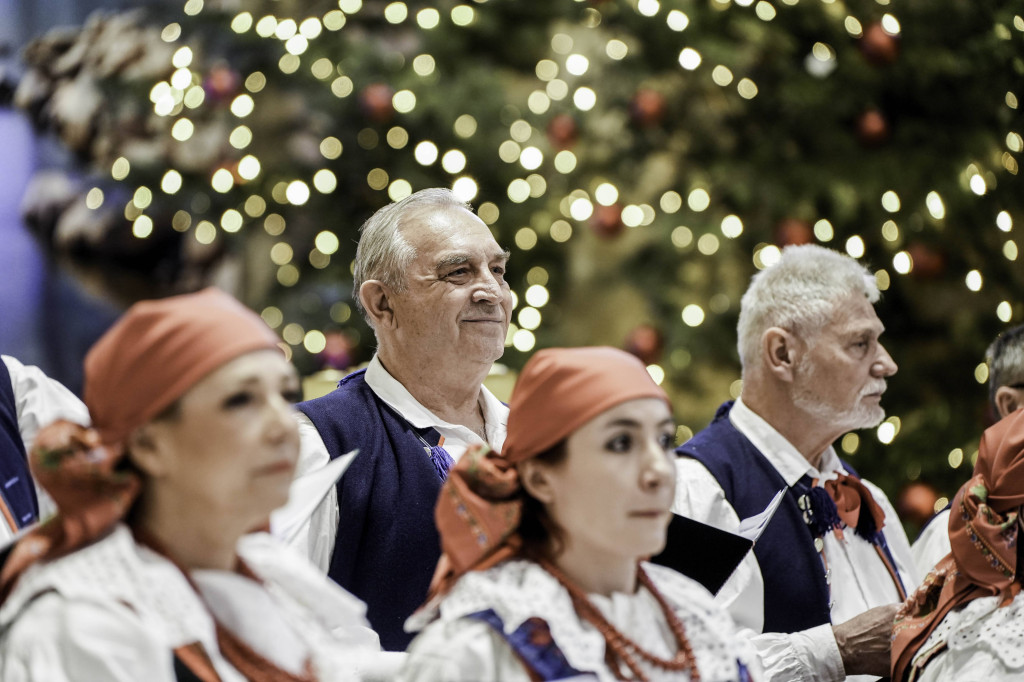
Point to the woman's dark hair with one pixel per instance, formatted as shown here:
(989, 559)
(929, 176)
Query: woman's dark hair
(127, 465)
(542, 537)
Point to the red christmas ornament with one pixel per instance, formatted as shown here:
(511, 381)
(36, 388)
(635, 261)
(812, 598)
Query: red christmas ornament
(872, 128)
(375, 101)
(793, 231)
(221, 83)
(562, 131)
(916, 502)
(646, 342)
(878, 47)
(647, 108)
(606, 221)
(929, 263)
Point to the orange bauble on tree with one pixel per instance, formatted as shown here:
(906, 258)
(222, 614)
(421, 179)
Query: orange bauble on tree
(879, 47)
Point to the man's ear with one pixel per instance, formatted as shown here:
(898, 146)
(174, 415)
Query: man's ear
(145, 451)
(533, 476)
(376, 299)
(1008, 400)
(780, 350)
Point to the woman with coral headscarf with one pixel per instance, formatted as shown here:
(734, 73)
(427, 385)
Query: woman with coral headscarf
(542, 575)
(147, 571)
(966, 621)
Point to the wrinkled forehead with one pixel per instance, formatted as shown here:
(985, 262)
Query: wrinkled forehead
(851, 315)
(451, 232)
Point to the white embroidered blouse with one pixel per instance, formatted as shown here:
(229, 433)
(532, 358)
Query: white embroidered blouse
(115, 611)
(457, 648)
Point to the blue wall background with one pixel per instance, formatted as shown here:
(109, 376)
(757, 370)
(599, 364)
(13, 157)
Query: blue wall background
(46, 319)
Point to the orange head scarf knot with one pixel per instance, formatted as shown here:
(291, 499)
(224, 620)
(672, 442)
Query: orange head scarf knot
(139, 367)
(478, 513)
(558, 391)
(984, 528)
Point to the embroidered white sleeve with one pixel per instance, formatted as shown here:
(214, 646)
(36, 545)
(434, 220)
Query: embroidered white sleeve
(807, 656)
(59, 640)
(985, 642)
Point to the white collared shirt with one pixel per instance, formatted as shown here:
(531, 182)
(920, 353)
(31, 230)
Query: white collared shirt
(457, 438)
(315, 537)
(859, 579)
(932, 545)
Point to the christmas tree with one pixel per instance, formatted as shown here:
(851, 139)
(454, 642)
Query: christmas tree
(642, 159)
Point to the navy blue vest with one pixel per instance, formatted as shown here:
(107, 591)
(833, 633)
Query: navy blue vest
(387, 545)
(795, 592)
(15, 480)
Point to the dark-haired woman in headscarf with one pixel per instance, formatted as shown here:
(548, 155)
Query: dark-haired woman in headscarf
(543, 574)
(148, 571)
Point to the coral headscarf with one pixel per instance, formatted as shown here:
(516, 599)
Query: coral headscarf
(138, 368)
(558, 391)
(984, 528)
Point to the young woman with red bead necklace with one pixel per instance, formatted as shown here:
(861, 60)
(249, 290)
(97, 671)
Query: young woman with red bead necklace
(542, 576)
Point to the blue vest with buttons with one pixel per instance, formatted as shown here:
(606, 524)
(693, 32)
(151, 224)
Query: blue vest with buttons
(15, 480)
(796, 595)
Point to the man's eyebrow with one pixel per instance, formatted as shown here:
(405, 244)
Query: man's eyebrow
(452, 259)
(865, 332)
(462, 258)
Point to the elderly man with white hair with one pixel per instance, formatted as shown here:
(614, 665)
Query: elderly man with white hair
(813, 369)
(430, 280)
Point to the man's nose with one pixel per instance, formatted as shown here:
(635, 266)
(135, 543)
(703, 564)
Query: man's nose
(884, 365)
(488, 289)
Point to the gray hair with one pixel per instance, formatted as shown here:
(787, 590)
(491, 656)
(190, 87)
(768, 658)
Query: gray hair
(798, 294)
(1005, 358)
(383, 253)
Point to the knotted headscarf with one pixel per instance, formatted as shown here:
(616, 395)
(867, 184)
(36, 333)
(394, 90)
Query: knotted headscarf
(983, 533)
(558, 391)
(138, 368)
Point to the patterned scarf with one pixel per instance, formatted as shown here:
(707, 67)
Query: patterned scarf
(983, 533)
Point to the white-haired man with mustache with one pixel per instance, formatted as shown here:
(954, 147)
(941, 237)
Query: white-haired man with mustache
(835, 552)
(430, 280)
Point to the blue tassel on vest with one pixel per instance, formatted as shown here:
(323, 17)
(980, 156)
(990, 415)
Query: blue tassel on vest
(442, 461)
(824, 515)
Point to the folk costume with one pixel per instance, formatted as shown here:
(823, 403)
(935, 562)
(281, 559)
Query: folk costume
(88, 596)
(28, 400)
(834, 549)
(495, 613)
(965, 621)
(374, 532)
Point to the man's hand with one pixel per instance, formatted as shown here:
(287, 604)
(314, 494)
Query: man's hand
(865, 641)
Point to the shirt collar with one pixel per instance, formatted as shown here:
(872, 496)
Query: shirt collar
(397, 397)
(786, 459)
